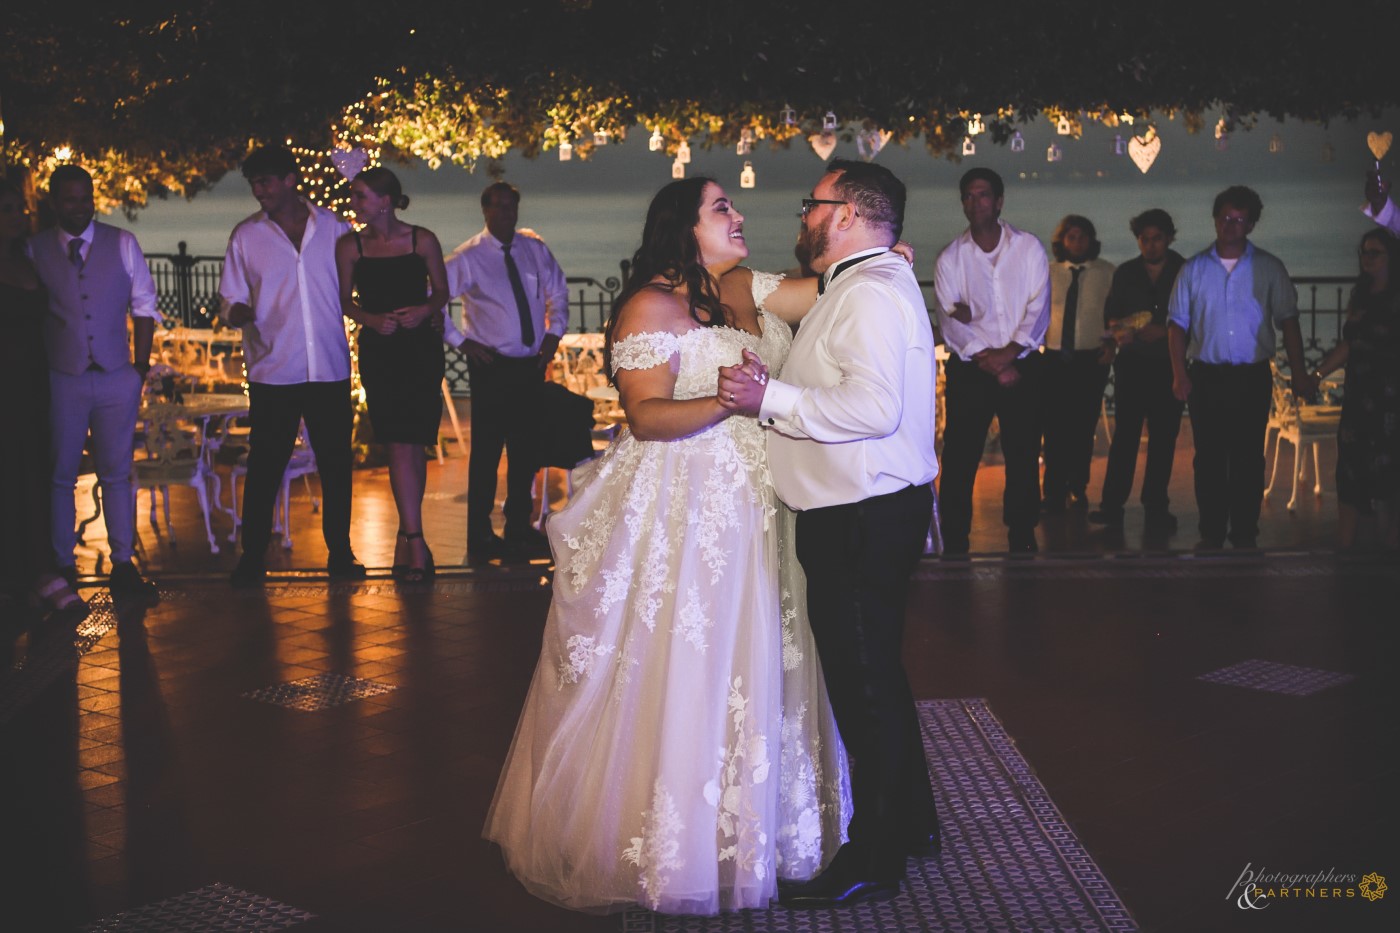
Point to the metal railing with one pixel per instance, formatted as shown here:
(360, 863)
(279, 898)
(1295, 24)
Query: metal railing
(187, 289)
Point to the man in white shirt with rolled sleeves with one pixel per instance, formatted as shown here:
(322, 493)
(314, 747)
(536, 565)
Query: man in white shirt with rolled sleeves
(515, 308)
(279, 285)
(851, 448)
(94, 274)
(992, 288)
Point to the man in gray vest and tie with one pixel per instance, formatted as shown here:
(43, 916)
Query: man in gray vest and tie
(95, 274)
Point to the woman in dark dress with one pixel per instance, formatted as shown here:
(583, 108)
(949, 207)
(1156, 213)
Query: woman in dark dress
(393, 284)
(25, 476)
(1368, 438)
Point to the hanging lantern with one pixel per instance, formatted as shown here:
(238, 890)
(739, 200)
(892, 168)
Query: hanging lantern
(600, 138)
(683, 153)
(975, 125)
(566, 151)
(969, 147)
(678, 169)
(657, 141)
(745, 145)
(1275, 144)
(1062, 127)
(1221, 128)
(1053, 154)
(746, 177)
(1125, 117)
(829, 121)
(1018, 142)
(789, 116)
(1120, 145)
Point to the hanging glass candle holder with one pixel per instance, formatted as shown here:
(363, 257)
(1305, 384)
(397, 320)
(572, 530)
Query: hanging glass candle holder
(678, 169)
(1120, 145)
(683, 153)
(1018, 142)
(1053, 154)
(600, 138)
(745, 145)
(1062, 126)
(789, 116)
(829, 121)
(566, 151)
(975, 125)
(746, 177)
(657, 141)
(969, 147)
(1275, 143)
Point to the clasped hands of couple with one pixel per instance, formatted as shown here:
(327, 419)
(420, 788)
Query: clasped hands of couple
(741, 387)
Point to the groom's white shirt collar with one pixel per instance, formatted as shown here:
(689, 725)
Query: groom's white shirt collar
(831, 270)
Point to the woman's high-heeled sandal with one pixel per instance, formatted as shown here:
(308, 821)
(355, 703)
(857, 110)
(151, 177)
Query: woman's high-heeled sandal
(399, 570)
(420, 574)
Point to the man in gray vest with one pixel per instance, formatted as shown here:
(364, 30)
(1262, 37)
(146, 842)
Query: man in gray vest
(95, 274)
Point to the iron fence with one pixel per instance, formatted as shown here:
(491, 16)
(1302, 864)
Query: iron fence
(187, 289)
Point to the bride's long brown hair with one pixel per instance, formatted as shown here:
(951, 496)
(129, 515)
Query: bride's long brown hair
(670, 251)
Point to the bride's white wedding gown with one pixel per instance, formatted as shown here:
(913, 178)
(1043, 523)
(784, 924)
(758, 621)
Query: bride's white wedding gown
(676, 748)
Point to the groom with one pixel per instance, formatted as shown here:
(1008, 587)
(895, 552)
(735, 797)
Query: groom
(850, 446)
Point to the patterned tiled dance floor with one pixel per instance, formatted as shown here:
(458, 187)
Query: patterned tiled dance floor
(1009, 862)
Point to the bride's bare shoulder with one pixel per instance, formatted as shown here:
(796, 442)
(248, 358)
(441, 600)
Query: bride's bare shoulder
(736, 289)
(656, 308)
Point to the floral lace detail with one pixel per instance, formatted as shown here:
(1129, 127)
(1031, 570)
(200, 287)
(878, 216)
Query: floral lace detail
(799, 842)
(763, 285)
(627, 661)
(657, 850)
(693, 620)
(643, 351)
(583, 656)
(743, 766)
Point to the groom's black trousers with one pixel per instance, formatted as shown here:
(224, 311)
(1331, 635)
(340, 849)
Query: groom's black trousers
(858, 559)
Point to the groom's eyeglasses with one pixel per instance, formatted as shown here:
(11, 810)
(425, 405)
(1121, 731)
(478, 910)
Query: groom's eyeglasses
(809, 203)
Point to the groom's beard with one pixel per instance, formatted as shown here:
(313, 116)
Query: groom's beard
(811, 244)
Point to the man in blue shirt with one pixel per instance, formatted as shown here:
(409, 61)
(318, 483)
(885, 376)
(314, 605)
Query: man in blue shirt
(1228, 300)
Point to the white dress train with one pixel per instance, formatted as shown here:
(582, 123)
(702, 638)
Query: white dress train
(677, 748)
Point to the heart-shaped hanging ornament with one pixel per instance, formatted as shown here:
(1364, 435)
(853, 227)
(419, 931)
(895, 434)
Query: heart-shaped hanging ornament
(349, 162)
(1379, 144)
(823, 144)
(1143, 151)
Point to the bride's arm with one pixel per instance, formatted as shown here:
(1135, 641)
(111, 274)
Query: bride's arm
(792, 298)
(646, 393)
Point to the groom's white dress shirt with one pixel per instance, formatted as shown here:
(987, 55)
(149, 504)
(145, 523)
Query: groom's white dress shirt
(852, 416)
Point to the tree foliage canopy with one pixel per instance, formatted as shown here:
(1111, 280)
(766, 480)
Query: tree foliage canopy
(160, 100)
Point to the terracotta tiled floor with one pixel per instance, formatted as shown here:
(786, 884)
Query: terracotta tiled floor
(140, 768)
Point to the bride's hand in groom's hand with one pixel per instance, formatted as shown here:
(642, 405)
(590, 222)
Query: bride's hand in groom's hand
(740, 390)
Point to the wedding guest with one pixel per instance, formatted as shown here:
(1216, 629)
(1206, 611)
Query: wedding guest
(1077, 358)
(280, 286)
(95, 275)
(993, 302)
(515, 307)
(1142, 375)
(25, 477)
(392, 283)
(1227, 302)
(1368, 438)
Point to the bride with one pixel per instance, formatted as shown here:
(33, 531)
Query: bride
(677, 748)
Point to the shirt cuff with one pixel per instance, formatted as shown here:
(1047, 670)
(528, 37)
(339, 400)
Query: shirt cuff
(779, 402)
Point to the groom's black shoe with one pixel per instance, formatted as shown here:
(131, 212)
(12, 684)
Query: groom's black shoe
(842, 883)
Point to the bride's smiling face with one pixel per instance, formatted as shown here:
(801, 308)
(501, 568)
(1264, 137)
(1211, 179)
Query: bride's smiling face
(720, 230)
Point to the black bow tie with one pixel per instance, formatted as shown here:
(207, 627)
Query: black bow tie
(841, 267)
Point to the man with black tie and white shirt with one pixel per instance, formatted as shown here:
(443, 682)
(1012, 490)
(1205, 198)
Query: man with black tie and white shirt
(515, 307)
(851, 448)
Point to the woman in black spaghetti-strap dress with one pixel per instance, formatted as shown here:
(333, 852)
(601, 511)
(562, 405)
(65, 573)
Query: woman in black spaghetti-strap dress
(393, 283)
